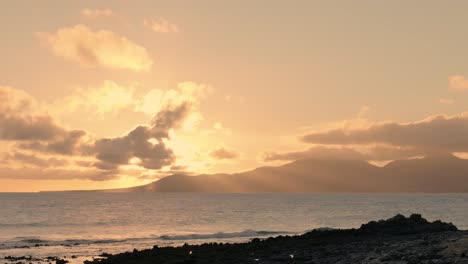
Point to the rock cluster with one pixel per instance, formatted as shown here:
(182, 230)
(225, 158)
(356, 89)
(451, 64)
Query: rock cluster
(412, 240)
(401, 225)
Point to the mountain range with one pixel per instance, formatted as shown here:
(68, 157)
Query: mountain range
(437, 173)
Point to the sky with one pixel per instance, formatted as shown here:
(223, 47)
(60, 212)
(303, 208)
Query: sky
(109, 94)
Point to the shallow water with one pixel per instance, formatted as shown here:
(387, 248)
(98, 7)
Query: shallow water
(87, 224)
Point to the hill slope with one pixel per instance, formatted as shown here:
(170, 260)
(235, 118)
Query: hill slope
(432, 174)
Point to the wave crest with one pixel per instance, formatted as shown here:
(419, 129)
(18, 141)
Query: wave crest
(38, 241)
(222, 235)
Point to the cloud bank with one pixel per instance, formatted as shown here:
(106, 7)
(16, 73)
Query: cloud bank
(383, 141)
(436, 133)
(371, 153)
(40, 146)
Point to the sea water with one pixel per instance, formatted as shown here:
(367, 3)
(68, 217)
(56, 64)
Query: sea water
(86, 224)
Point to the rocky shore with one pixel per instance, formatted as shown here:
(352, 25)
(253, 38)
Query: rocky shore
(399, 239)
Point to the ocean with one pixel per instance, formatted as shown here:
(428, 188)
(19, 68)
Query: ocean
(85, 225)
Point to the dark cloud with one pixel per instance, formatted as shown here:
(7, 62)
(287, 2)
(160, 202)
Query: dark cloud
(171, 116)
(112, 152)
(144, 142)
(55, 174)
(316, 152)
(25, 159)
(376, 153)
(435, 134)
(21, 128)
(69, 143)
(34, 131)
(32, 159)
(223, 153)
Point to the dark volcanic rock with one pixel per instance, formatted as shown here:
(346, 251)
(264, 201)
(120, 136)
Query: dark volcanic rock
(400, 225)
(396, 240)
(30, 259)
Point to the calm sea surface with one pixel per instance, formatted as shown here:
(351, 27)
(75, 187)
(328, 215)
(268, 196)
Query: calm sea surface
(88, 224)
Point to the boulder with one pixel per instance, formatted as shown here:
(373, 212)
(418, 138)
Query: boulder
(401, 225)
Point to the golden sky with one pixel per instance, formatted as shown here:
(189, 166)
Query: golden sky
(106, 94)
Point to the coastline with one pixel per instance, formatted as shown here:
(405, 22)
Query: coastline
(396, 240)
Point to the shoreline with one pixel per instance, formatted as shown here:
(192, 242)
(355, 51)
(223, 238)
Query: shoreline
(396, 240)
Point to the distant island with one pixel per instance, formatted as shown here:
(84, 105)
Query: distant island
(432, 174)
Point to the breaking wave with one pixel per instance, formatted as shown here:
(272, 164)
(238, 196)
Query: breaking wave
(22, 242)
(222, 235)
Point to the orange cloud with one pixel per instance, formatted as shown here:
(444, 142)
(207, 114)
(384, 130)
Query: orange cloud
(97, 13)
(160, 25)
(97, 48)
(100, 99)
(223, 153)
(112, 97)
(446, 101)
(458, 83)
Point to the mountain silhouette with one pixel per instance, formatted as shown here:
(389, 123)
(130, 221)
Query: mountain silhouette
(435, 173)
